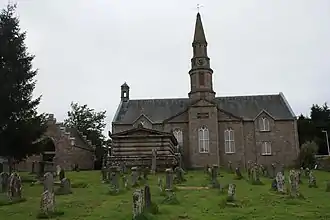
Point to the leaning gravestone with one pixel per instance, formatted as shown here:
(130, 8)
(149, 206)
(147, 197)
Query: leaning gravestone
(4, 182)
(61, 174)
(214, 176)
(134, 176)
(294, 183)
(238, 174)
(231, 192)
(15, 187)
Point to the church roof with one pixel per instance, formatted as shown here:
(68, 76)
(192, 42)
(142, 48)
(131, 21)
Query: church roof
(247, 107)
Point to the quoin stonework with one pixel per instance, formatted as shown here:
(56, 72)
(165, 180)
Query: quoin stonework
(209, 129)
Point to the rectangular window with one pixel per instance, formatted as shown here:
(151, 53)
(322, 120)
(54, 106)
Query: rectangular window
(229, 141)
(201, 79)
(266, 148)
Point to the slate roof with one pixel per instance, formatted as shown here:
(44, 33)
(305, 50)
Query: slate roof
(247, 107)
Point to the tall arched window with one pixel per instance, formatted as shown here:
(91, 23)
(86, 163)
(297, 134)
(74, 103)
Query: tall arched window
(203, 138)
(229, 141)
(264, 124)
(179, 136)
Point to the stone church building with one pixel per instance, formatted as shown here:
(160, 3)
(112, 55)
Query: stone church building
(212, 129)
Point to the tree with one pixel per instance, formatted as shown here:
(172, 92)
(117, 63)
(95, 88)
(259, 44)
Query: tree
(20, 124)
(90, 123)
(307, 154)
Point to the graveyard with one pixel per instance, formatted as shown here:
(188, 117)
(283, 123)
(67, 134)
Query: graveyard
(200, 196)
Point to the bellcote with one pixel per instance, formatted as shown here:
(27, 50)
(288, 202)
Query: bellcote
(124, 92)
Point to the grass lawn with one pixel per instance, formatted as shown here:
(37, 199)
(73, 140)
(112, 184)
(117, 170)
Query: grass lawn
(258, 202)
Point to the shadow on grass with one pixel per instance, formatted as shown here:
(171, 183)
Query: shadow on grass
(79, 185)
(49, 215)
(4, 202)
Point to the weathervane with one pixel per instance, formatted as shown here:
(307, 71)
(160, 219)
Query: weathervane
(199, 6)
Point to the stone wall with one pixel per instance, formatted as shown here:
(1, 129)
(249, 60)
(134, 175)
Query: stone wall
(323, 162)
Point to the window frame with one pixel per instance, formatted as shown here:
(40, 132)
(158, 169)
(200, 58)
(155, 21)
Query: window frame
(266, 148)
(203, 140)
(264, 124)
(178, 133)
(229, 137)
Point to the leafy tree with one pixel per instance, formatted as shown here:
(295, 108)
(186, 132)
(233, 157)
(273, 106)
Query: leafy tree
(20, 125)
(307, 154)
(90, 123)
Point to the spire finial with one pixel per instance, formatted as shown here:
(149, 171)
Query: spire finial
(199, 6)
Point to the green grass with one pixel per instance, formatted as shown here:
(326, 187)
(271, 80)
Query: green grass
(91, 201)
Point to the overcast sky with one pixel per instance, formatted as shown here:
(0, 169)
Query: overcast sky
(85, 49)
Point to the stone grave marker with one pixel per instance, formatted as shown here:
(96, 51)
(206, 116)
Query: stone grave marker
(138, 206)
(4, 182)
(214, 176)
(15, 187)
(61, 174)
(147, 197)
(280, 182)
(65, 187)
(311, 180)
(238, 173)
(230, 166)
(169, 179)
(134, 176)
(294, 183)
(231, 192)
(154, 161)
(160, 184)
(273, 170)
(104, 174)
(47, 203)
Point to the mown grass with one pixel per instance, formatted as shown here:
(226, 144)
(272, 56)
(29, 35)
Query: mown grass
(92, 201)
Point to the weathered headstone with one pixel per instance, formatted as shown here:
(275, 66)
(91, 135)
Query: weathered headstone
(307, 171)
(138, 206)
(294, 183)
(65, 187)
(160, 184)
(15, 187)
(125, 182)
(280, 182)
(230, 167)
(274, 185)
(147, 197)
(255, 175)
(4, 182)
(238, 173)
(179, 175)
(231, 192)
(104, 174)
(114, 181)
(214, 176)
(154, 161)
(273, 170)
(169, 179)
(47, 203)
(134, 176)
(311, 180)
(61, 174)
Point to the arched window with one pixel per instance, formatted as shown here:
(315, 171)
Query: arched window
(264, 124)
(203, 138)
(229, 141)
(178, 135)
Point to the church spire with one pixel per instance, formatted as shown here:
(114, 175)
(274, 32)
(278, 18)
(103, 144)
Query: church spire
(199, 36)
(200, 73)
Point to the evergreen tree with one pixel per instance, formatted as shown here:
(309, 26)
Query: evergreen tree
(20, 125)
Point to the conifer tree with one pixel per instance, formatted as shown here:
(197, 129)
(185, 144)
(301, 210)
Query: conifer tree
(20, 125)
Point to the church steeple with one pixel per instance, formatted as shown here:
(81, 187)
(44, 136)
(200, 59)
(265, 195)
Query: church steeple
(201, 72)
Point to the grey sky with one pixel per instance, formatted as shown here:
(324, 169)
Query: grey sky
(85, 49)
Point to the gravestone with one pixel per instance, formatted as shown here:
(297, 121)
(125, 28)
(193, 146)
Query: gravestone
(114, 181)
(104, 174)
(255, 175)
(47, 203)
(134, 176)
(4, 182)
(214, 176)
(147, 197)
(294, 183)
(280, 182)
(273, 170)
(138, 206)
(169, 179)
(238, 173)
(154, 161)
(274, 184)
(230, 167)
(231, 192)
(311, 180)
(160, 184)
(125, 182)
(61, 174)
(15, 187)
(179, 175)
(307, 171)
(65, 187)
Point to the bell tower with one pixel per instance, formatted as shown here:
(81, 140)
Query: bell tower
(201, 85)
